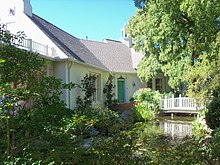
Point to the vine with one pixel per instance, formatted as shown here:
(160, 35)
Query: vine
(109, 93)
(88, 87)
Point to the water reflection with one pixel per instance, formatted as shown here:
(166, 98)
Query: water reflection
(176, 128)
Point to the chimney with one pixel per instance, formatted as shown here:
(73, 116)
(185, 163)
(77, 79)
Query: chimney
(27, 8)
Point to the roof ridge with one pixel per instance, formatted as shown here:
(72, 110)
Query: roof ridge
(92, 41)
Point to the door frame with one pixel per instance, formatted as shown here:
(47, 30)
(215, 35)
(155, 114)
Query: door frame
(121, 80)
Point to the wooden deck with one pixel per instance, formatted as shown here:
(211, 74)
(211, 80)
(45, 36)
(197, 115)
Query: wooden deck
(180, 111)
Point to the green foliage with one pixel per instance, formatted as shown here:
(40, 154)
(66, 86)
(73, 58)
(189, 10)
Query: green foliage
(199, 130)
(177, 41)
(88, 87)
(31, 113)
(141, 144)
(24, 65)
(215, 145)
(108, 91)
(150, 66)
(43, 131)
(203, 77)
(199, 127)
(99, 117)
(213, 113)
(147, 103)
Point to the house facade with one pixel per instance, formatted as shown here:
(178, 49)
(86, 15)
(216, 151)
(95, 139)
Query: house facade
(72, 58)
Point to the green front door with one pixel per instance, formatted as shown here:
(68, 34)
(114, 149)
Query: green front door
(121, 91)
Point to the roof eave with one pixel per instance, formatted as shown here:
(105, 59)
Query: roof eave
(79, 62)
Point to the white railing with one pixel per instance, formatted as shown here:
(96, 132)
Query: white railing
(180, 103)
(31, 45)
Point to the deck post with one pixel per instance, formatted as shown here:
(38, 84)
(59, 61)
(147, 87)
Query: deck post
(173, 101)
(180, 101)
(31, 44)
(53, 52)
(47, 50)
(165, 102)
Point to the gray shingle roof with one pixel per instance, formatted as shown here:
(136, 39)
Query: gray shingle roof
(110, 55)
(69, 44)
(113, 54)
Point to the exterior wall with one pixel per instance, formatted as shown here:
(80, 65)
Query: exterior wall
(21, 22)
(60, 71)
(132, 83)
(77, 72)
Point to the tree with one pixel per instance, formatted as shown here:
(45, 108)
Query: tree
(178, 38)
(23, 81)
(17, 70)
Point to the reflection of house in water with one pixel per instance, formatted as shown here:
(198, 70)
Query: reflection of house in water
(178, 129)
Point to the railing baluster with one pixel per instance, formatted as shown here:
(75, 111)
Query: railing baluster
(173, 101)
(180, 101)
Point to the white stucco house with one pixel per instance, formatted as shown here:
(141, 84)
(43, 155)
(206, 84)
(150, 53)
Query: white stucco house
(71, 58)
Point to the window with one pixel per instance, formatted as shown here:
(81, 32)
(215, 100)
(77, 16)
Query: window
(97, 93)
(159, 84)
(149, 84)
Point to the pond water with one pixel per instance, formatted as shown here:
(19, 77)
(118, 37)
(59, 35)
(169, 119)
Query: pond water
(176, 127)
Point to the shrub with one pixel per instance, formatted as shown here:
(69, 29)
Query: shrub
(213, 114)
(109, 93)
(147, 103)
(99, 117)
(88, 87)
(199, 126)
(215, 145)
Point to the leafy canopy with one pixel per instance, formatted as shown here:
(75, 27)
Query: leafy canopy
(179, 38)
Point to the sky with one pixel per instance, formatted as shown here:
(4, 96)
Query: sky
(96, 19)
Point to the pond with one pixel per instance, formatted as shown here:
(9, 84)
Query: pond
(177, 126)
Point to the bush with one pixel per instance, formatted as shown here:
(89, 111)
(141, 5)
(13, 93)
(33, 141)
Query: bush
(99, 118)
(199, 126)
(109, 92)
(213, 114)
(215, 145)
(147, 103)
(88, 87)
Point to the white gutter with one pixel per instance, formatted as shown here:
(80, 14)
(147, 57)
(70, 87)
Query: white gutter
(76, 61)
(134, 72)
